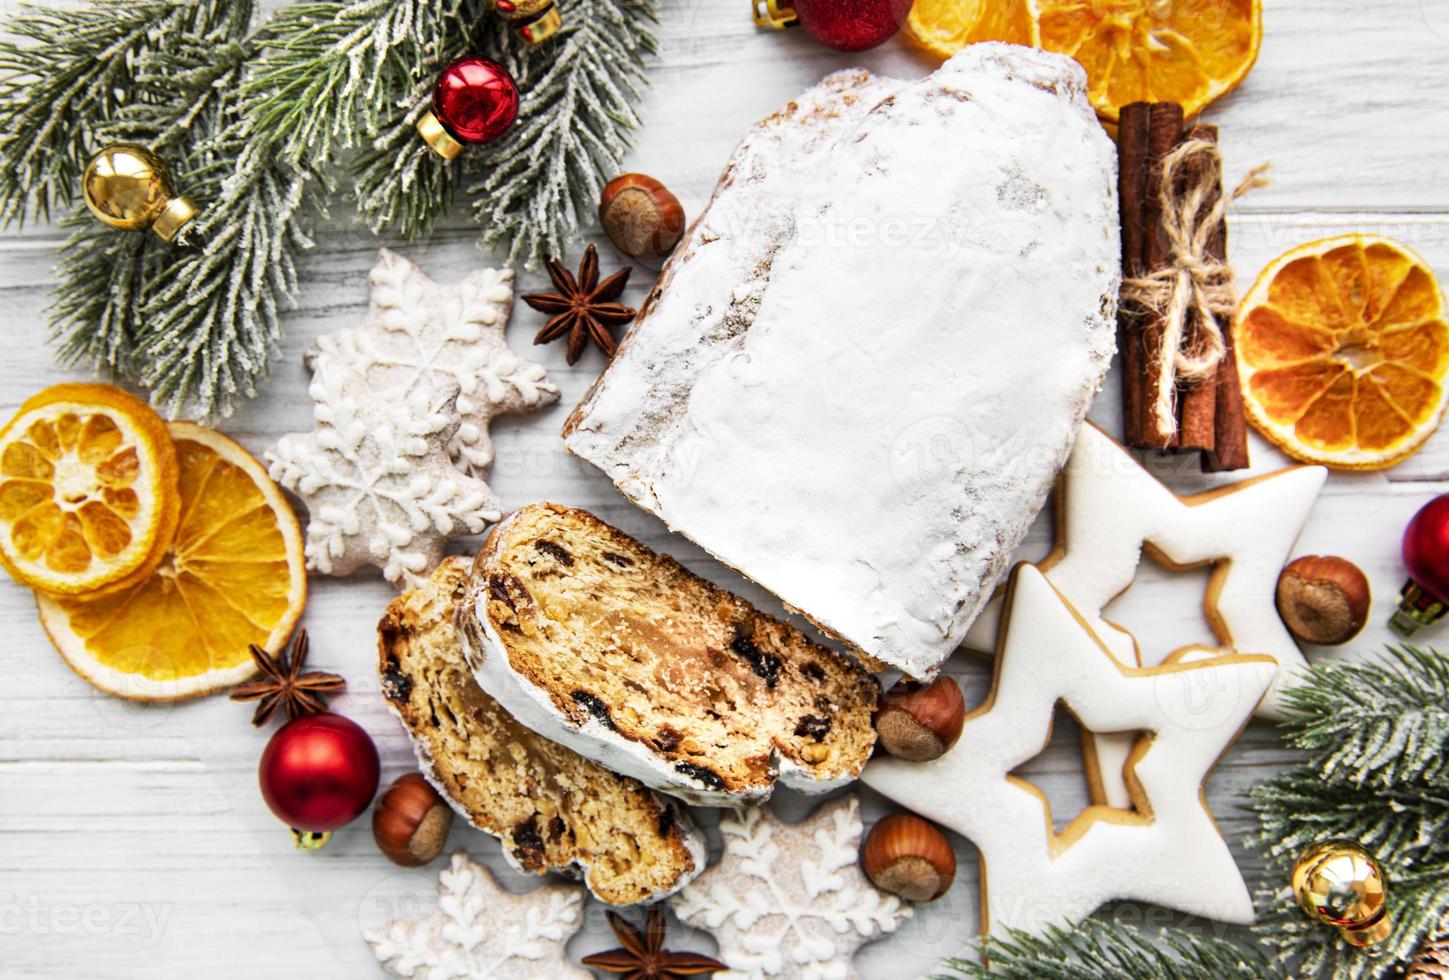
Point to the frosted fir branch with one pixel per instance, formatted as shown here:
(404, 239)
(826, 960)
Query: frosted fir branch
(330, 67)
(195, 325)
(400, 186)
(212, 323)
(1376, 737)
(1093, 949)
(97, 304)
(66, 73)
(536, 188)
(1388, 722)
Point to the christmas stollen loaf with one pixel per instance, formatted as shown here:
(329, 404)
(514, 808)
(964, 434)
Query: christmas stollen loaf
(864, 366)
(552, 809)
(593, 640)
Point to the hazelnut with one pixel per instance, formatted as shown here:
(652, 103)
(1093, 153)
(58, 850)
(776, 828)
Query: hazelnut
(411, 822)
(919, 722)
(1323, 599)
(909, 857)
(642, 218)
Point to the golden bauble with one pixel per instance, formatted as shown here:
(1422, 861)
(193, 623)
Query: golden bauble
(1339, 883)
(522, 9)
(534, 21)
(129, 187)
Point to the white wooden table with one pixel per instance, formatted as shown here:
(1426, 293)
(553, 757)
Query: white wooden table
(133, 841)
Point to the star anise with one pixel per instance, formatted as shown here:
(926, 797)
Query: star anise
(583, 308)
(283, 685)
(643, 957)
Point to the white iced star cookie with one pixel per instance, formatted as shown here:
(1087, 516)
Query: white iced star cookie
(788, 901)
(418, 332)
(379, 486)
(1110, 510)
(1167, 850)
(480, 930)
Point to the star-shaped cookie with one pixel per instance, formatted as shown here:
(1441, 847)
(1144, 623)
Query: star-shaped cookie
(1110, 510)
(788, 901)
(480, 930)
(377, 480)
(420, 332)
(1166, 850)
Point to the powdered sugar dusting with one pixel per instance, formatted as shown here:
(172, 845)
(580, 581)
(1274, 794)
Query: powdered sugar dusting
(869, 360)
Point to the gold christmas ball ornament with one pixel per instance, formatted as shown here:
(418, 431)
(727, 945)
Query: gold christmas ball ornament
(534, 21)
(1340, 884)
(129, 187)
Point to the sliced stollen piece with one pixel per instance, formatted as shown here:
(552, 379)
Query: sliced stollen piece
(552, 809)
(865, 364)
(593, 640)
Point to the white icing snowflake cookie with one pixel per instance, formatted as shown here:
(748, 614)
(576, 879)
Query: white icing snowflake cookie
(789, 901)
(480, 930)
(377, 480)
(418, 331)
(1165, 849)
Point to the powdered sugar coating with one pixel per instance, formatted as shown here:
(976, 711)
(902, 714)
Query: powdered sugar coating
(868, 361)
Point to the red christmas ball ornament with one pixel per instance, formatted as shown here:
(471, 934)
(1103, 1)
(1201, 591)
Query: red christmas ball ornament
(318, 773)
(475, 101)
(1425, 597)
(845, 25)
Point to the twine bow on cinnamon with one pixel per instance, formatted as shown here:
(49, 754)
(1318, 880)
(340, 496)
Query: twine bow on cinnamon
(1193, 290)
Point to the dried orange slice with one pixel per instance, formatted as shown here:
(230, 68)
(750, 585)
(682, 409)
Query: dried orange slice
(944, 27)
(1150, 51)
(235, 575)
(88, 495)
(1133, 50)
(1343, 352)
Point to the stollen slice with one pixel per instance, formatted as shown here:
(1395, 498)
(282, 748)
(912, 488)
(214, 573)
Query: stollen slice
(552, 809)
(593, 640)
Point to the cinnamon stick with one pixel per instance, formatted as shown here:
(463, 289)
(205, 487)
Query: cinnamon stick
(1164, 131)
(1131, 195)
(1230, 424)
(1197, 402)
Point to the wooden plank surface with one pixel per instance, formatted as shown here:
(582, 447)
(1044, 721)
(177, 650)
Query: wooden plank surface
(133, 842)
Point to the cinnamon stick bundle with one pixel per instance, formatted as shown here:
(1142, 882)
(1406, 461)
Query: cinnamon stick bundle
(1209, 413)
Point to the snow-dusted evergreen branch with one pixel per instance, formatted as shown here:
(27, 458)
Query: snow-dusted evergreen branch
(1377, 737)
(331, 69)
(66, 74)
(253, 125)
(536, 188)
(401, 186)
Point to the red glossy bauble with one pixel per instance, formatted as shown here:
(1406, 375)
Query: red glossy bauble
(476, 100)
(852, 25)
(319, 773)
(1426, 555)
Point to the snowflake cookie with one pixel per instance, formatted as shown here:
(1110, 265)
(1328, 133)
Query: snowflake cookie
(377, 480)
(789, 901)
(480, 930)
(417, 332)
